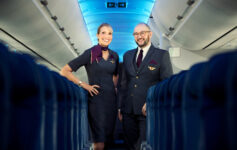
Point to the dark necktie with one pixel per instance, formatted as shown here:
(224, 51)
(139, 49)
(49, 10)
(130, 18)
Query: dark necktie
(139, 58)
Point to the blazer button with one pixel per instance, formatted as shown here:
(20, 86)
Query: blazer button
(137, 77)
(131, 94)
(135, 85)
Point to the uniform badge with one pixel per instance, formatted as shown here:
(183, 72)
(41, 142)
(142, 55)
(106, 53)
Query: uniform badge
(151, 68)
(112, 61)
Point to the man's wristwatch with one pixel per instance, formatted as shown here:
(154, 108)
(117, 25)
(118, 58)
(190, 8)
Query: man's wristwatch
(79, 83)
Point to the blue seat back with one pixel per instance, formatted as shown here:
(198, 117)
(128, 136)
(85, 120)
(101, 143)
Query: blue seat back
(27, 113)
(167, 114)
(213, 104)
(150, 103)
(161, 116)
(61, 111)
(232, 101)
(50, 108)
(176, 120)
(192, 95)
(84, 127)
(76, 116)
(70, 113)
(5, 83)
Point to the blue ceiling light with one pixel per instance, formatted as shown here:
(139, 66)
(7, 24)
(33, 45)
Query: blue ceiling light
(122, 15)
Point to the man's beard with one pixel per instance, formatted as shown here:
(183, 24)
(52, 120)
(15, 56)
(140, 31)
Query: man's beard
(146, 41)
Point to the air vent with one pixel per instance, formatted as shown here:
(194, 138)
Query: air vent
(62, 29)
(54, 17)
(44, 2)
(179, 17)
(171, 28)
(190, 2)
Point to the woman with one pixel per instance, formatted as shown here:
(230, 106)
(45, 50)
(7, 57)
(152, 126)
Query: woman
(101, 65)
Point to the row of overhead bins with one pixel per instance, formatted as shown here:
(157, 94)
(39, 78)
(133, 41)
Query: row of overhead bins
(56, 35)
(198, 24)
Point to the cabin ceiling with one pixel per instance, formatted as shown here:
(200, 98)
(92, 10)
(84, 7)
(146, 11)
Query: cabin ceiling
(30, 22)
(122, 15)
(206, 24)
(62, 39)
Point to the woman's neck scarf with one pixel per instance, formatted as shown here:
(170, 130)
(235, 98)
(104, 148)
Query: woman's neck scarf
(96, 53)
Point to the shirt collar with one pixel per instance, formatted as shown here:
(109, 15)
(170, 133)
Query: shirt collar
(145, 49)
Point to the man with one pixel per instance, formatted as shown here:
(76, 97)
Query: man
(142, 67)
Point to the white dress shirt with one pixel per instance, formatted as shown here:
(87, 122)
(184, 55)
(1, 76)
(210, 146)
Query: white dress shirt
(145, 50)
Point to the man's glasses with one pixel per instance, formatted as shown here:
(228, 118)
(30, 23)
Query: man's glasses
(142, 33)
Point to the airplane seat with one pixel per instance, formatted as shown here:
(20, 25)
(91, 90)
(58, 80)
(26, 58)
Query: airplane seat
(150, 104)
(27, 104)
(83, 126)
(168, 111)
(176, 120)
(191, 102)
(160, 118)
(61, 92)
(69, 111)
(213, 104)
(153, 115)
(76, 116)
(5, 109)
(80, 130)
(231, 102)
(50, 96)
(85, 142)
(176, 90)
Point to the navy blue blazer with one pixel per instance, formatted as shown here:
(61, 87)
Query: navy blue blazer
(155, 67)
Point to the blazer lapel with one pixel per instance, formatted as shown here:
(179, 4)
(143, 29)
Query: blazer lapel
(132, 61)
(147, 58)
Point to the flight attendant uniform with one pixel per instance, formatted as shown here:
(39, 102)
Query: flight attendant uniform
(102, 109)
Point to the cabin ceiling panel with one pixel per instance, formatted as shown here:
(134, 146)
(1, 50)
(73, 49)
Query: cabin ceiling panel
(165, 12)
(70, 18)
(29, 22)
(123, 20)
(207, 24)
(203, 22)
